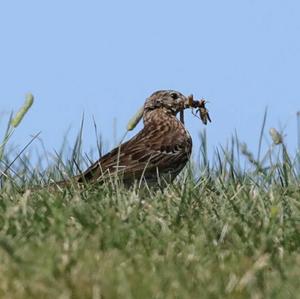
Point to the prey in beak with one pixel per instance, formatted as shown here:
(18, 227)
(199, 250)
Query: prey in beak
(199, 105)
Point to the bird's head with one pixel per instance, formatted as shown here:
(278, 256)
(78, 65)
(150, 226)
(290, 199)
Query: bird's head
(170, 100)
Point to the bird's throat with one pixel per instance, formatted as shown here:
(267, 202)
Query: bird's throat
(159, 116)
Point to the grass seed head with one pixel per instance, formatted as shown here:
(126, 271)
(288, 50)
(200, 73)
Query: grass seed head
(24, 109)
(276, 136)
(135, 119)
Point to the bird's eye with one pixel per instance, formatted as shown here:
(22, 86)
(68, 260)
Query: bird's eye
(174, 95)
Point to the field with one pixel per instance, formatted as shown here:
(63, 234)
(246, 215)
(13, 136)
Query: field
(222, 230)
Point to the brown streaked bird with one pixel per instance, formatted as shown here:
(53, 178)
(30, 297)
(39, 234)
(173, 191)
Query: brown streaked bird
(157, 153)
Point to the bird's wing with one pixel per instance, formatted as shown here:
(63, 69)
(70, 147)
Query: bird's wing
(153, 148)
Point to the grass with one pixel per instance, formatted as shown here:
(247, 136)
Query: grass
(230, 232)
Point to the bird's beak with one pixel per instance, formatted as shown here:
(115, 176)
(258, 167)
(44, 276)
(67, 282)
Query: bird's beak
(188, 102)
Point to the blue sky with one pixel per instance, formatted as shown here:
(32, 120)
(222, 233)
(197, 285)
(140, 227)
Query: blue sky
(103, 58)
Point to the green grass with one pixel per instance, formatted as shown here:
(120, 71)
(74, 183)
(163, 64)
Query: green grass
(208, 240)
(232, 233)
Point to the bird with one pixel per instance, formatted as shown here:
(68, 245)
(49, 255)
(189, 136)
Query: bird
(154, 155)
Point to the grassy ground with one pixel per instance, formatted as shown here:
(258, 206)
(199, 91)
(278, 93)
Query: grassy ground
(233, 233)
(226, 235)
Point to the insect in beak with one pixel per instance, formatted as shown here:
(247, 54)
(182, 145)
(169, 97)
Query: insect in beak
(203, 112)
(200, 106)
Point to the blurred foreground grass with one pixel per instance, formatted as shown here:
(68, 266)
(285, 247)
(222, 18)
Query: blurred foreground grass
(220, 231)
